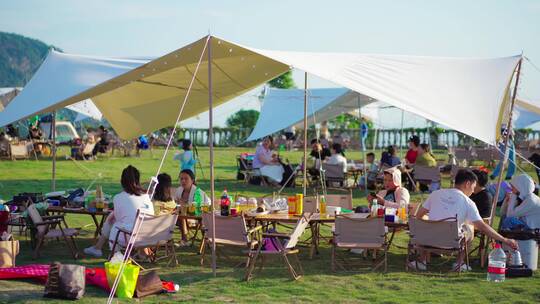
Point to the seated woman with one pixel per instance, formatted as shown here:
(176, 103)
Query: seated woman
(389, 157)
(126, 204)
(522, 207)
(163, 196)
(337, 157)
(481, 197)
(267, 162)
(425, 157)
(185, 195)
(393, 194)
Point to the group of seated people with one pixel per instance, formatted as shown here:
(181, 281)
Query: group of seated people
(469, 203)
(166, 200)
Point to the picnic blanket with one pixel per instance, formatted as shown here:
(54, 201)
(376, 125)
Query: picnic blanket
(94, 276)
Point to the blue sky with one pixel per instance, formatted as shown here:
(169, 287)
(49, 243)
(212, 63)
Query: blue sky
(141, 28)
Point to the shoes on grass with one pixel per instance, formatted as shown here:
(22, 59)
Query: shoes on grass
(93, 252)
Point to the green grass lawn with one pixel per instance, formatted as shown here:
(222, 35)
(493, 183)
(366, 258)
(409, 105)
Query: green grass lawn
(272, 285)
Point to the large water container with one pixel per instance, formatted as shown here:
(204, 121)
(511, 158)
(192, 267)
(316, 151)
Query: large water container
(529, 253)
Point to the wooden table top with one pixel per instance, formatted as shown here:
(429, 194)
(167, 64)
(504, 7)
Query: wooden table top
(76, 211)
(293, 218)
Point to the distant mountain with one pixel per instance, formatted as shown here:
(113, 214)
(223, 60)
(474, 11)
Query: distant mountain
(20, 57)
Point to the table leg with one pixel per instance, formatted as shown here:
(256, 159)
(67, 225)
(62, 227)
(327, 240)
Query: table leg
(314, 226)
(98, 227)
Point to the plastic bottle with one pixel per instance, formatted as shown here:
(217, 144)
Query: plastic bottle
(225, 203)
(496, 264)
(374, 208)
(322, 205)
(402, 212)
(198, 201)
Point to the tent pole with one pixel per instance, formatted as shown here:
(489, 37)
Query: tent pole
(506, 140)
(53, 150)
(211, 145)
(363, 147)
(401, 136)
(304, 183)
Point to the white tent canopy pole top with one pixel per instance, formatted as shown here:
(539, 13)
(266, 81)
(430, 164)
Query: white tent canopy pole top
(467, 95)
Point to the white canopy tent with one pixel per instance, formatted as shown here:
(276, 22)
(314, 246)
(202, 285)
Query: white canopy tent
(283, 108)
(467, 95)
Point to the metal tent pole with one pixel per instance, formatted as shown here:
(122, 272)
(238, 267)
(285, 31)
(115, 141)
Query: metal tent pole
(211, 146)
(53, 150)
(363, 147)
(506, 139)
(304, 183)
(401, 136)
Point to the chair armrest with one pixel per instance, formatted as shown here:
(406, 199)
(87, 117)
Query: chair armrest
(252, 230)
(49, 222)
(124, 230)
(278, 235)
(50, 217)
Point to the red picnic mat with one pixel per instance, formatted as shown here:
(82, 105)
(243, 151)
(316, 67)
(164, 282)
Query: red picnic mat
(94, 276)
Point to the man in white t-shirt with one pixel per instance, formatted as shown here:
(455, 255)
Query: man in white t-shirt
(455, 203)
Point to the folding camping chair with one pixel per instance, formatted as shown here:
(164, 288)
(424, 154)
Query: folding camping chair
(427, 175)
(441, 237)
(343, 200)
(51, 227)
(352, 232)
(155, 233)
(285, 246)
(334, 174)
(230, 231)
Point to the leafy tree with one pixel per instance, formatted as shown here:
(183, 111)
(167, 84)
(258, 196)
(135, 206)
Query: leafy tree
(284, 81)
(243, 119)
(20, 57)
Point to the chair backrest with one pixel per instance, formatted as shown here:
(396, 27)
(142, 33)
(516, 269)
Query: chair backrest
(359, 230)
(155, 229)
(311, 204)
(230, 230)
(19, 150)
(36, 218)
(423, 173)
(461, 154)
(438, 234)
(333, 171)
(301, 225)
(339, 200)
(485, 154)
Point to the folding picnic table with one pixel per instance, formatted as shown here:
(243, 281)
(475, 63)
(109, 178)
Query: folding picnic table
(94, 215)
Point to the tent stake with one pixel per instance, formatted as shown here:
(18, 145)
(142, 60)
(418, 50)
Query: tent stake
(506, 139)
(211, 145)
(304, 183)
(53, 150)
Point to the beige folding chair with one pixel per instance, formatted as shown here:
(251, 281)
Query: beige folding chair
(20, 150)
(344, 200)
(43, 228)
(230, 231)
(353, 232)
(441, 237)
(286, 245)
(427, 175)
(155, 232)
